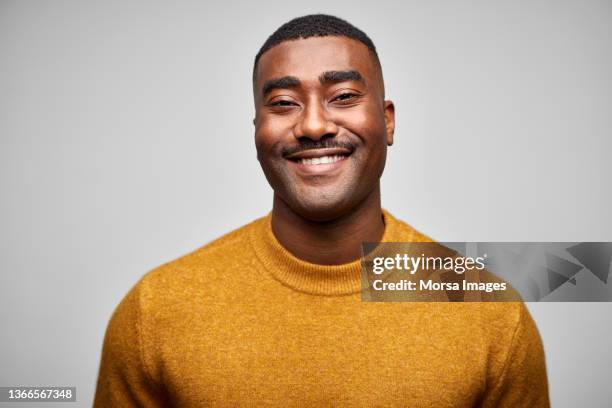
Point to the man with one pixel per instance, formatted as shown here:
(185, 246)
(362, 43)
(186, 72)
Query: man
(270, 314)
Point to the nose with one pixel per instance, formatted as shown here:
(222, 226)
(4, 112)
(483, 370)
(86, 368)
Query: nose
(315, 123)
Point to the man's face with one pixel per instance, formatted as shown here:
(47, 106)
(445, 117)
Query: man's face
(322, 126)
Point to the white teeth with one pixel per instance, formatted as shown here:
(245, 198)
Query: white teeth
(322, 160)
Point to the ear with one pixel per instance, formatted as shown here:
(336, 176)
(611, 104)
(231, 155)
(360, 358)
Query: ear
(390, 121)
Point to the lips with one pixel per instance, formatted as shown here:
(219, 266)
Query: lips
(319, 161)
(320, 156)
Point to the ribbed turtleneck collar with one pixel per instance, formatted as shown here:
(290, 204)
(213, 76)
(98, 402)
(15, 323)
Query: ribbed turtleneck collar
(326, 280)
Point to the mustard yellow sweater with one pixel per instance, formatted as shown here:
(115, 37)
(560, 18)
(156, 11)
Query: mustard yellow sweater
(242, 322)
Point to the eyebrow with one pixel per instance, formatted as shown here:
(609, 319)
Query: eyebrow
(340, 76)
(280, 83)
(327, 77)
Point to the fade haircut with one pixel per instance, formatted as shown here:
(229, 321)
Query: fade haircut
(315, 25)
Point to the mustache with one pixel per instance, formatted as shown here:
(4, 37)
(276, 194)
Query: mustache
(314, 145)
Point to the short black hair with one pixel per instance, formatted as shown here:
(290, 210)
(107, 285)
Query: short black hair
(314, 25)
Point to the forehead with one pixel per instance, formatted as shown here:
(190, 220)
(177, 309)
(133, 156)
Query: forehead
(306, 59)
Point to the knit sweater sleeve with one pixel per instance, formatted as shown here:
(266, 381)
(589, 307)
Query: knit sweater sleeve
(522, 381)
(123, 379)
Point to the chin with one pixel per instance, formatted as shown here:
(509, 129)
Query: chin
(324, 201)
(321, 207)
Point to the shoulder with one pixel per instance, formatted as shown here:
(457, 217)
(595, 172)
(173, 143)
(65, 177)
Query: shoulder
(201, 269)
(403, 231)
(516, 360)
(510, 327)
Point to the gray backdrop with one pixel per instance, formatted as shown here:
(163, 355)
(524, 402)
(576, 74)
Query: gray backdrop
(126, 141)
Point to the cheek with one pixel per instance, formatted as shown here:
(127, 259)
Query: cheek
(366, 121)
(263, 141)
(368, 124)
(269, 134)
(268, 143)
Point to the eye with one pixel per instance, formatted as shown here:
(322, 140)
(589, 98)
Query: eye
(345, 97)
(282, 106)
(282, 103)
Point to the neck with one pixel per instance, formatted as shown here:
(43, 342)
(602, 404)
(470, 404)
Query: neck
(333, 242)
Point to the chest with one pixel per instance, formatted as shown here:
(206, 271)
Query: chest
(345, 358)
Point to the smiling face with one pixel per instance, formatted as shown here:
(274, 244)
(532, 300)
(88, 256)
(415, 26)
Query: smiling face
(322, 126)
